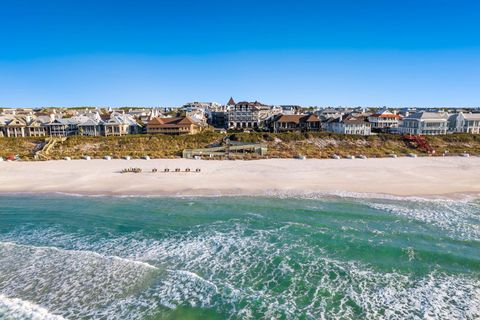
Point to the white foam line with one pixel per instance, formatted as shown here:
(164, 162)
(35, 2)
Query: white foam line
(96, 254)
(194, 276)
(456, 197)
(14, 308)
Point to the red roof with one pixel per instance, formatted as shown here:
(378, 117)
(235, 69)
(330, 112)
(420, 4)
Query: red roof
(383, 115)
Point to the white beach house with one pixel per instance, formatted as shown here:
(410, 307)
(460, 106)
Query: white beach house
(425, 123)
(384, 120)
(466, 122)
(349, 124)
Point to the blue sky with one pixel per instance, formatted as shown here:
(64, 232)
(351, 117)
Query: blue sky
(130, 53)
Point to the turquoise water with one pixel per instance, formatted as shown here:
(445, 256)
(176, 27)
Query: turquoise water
(238, 258)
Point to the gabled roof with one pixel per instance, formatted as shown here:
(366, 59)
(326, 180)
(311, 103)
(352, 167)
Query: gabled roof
(297, 118)
(349, 119)
(172, 122)
(231, 102)
(426, 115)
(156, 121)
(186, 121)
(471, 116)
(289, 118)
(313, 118)
(44, 119)
(35, 123)
(19, 121)
(386, 116)
(64, 121)
(90, 122)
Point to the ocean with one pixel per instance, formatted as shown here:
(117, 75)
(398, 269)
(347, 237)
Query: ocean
(315, 257)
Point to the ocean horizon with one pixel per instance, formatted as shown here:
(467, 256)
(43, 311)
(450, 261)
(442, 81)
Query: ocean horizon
(239, 257)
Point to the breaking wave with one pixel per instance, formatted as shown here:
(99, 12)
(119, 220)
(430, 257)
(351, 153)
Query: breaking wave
(17, 309)
(260, 264)
(243, 273)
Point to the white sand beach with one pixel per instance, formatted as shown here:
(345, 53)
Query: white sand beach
(401, 176)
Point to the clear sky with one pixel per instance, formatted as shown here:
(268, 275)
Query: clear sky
(165, 53)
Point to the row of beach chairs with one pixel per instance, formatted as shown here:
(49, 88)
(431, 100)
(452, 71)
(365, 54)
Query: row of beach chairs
(133, 170)
(154, 170)
(177, 170)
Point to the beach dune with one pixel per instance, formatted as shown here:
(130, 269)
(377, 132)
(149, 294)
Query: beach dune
(400, 176)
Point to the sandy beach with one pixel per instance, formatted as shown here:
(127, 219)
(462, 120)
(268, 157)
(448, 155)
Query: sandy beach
(401, 176)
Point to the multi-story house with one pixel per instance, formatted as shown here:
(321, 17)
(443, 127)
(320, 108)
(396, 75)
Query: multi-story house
(174, 126)
(62, 127)
(16, 127)
(384, 121)
(466, 122)
(3, 122)
(249, 115)
(37, 128)
(290, 109)
(424, 123)
(91, 127)
(120, 124)
(349, 124)
(332, 113)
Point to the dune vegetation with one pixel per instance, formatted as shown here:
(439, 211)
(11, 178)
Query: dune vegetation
(280, 145)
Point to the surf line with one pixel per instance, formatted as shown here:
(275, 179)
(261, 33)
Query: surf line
(72, 252)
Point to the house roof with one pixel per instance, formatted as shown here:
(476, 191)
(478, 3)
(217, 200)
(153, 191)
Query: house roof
(297, 118)
(386, 116)
(426, 115)
(313, 118)
(251, 104)
(89, 122)
(471, 116)
(231, 102)
(65, 121)
(172, 122)
(349, 119)
(289, 118)
(18, 121)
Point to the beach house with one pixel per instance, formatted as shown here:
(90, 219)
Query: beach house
(16, 127)
(424, 123)
(120, 124)
(466, 122)
(36, 128)
(349, 124)
(249, 115)
(62, 127)
(174, 126)
(91, 127)
(384, 121)
(295, 122)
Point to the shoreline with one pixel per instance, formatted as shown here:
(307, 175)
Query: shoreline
(428, 177)
(458, 196)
